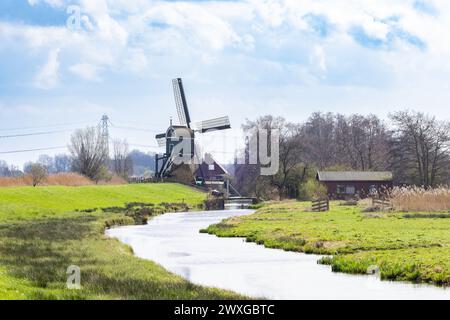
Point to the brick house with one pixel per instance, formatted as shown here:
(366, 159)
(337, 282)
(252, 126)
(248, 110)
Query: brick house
(346, 184)
(210, 173)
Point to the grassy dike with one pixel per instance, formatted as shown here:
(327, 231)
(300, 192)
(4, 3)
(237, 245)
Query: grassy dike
(42, 232)
(404, 247)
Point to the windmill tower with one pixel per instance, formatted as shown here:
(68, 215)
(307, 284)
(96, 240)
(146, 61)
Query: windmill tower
(179, 138)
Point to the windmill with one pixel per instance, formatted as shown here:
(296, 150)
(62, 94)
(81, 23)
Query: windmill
(184, 133)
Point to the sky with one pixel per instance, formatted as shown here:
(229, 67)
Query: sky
(237, 58)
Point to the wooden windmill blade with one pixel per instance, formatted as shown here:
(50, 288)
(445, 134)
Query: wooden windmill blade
(215, 124)
(173, 137)
(161, 139)
(180, 102)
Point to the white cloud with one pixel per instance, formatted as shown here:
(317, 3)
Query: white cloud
(255, 41)
(319, 58)
(135, 61)
(184, 24)
(85, 71)
(245, 57)
(48, 76)
(53, 3)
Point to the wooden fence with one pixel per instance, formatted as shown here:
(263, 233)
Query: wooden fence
(321, 205)
(381, 202)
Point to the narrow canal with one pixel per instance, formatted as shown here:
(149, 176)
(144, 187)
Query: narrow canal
(173, 240)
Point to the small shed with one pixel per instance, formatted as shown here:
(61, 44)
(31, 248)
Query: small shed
(344, 184)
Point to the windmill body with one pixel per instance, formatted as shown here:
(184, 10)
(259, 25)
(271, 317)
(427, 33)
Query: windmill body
(179, 140)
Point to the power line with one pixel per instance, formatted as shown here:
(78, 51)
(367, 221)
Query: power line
(31, 134)
(142, 145)
(135, 129)
(46, 126)
(141, 123)
(32, 150)
(103, 125)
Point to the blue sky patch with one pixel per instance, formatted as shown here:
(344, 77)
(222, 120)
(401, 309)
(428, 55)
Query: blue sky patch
(319, 23)
(361, 37)
(425, 7)
(40, 14)
(159, 25)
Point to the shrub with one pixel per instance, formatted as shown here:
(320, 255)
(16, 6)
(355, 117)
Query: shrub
(313, 189)
(38, 174)
(102, 174)
(113, 180)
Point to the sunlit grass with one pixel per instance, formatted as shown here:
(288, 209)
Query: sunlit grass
(413, 264)
(41, 235)
(350, 234)
(50, 201)
(35, 256)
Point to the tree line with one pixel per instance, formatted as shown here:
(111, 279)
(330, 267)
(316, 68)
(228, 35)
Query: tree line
(413, 145)
(91, 156)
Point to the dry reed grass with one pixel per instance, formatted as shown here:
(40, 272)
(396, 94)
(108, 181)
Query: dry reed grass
(15, 181)
(421, 199)
(67, 179)
(60, 179)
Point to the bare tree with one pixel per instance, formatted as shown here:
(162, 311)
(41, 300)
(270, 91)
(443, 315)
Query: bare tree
(4, 169)
(62, 163)
(416, 149)
(319, 138)
(362, 142)
(89, 152)
(38, 173)
(47, 162)
(122, 162)
(420, 148)
(9, 170)
(291, 170)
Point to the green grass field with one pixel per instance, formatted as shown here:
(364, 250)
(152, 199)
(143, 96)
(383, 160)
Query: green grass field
(415, 249)
(41, 234)
(20, 203)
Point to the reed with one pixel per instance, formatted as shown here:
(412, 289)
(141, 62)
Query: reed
(420, 199)
(70, 179)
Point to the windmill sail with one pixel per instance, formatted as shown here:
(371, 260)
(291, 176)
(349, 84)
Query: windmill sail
(161, 139)
(221, 123)
(175, 135)
(180, 101)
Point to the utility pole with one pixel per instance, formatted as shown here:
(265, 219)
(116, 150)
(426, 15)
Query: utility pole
(104, 123)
